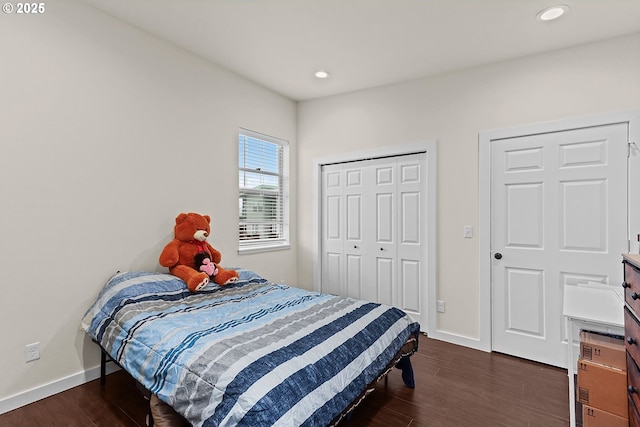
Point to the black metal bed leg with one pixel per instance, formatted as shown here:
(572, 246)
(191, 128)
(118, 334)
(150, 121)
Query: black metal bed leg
(103, 367)
(104, 358)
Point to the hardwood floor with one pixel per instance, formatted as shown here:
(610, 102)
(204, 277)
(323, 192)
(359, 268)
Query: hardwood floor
(458, 386)
(455, 386)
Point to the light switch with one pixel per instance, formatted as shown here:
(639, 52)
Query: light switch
(468, 231)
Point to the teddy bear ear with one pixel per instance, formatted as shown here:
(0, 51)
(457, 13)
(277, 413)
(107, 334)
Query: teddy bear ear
(208, 218)
(181, 218)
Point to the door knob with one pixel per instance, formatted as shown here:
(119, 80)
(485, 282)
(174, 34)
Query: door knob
(498, 255)
(625, 285)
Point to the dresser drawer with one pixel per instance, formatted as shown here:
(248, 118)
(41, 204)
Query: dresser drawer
(632, 335)
(634, 417)
(633, 381)
(632, 287)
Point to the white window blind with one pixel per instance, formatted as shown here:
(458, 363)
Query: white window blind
(262, 191)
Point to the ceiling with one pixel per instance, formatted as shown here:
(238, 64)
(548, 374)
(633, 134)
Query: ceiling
(279, 44)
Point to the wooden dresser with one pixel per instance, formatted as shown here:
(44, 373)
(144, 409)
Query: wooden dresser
(631, 284)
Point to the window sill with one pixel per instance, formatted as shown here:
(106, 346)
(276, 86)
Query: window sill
(264, 248)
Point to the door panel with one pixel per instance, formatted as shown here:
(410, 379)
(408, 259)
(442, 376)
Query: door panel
(525, 303)
(410, 218)
(333, 218)
(410, 285)
(583, 215)
(558, 216)
(384, 174)
(384, 218)
(332, 283)
(384, 280)
(354, 217)
(354, 276)
(524, 215)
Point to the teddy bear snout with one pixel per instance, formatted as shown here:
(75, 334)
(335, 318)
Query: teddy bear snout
(201, 235)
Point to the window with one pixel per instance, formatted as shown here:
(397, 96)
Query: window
(263, 192)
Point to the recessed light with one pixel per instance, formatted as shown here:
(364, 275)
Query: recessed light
(553, 12)
(322, 74)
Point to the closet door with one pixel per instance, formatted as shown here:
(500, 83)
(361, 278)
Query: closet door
(373, 247)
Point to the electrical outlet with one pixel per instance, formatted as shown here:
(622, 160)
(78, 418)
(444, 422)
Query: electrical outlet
(32, 352)
(440, 306)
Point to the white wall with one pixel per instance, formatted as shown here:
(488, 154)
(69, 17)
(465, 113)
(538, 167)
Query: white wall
(453, 109)
(106, 135)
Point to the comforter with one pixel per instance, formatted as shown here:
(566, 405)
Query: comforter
(252, 353)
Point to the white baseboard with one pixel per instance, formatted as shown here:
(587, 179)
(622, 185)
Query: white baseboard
(54, 387)
(459, 340)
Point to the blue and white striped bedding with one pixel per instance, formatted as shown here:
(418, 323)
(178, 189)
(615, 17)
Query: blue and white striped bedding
(253, 353)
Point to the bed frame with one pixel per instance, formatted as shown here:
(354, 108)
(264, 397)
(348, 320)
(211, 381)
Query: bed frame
(104, 359)
(401, 361)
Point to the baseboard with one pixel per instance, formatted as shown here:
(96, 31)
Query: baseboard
(459, 340)
(37, 393)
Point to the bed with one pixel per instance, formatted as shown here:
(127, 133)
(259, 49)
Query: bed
(250, 353)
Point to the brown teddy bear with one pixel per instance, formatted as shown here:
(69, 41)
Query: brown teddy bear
(190, 242)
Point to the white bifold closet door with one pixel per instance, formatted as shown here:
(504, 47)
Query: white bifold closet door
(372, 231)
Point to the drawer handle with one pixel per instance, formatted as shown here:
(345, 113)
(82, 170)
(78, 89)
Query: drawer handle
(635, 296)
(631, 389)
(625, 285)
(631, 340)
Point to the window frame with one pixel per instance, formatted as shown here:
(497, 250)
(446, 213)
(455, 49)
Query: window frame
(281, 242)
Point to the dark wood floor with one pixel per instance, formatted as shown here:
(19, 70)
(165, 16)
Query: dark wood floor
(455, 386)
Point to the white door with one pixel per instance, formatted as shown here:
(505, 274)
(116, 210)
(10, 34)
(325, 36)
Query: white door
(372, 228)
(558, 207)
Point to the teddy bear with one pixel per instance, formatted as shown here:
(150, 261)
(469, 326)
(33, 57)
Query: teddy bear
(190, 239)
